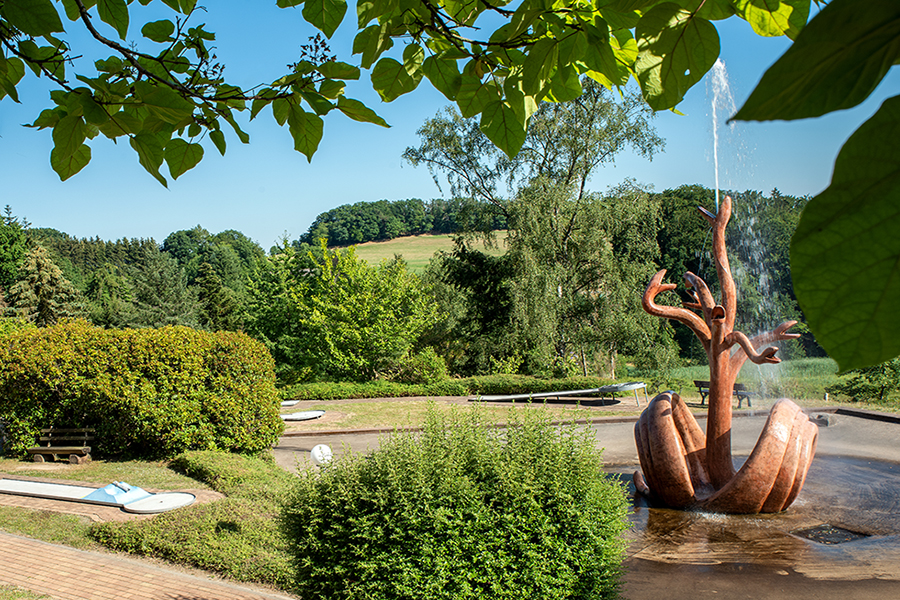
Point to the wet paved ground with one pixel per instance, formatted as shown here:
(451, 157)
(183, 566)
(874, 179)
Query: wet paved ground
(853, 484)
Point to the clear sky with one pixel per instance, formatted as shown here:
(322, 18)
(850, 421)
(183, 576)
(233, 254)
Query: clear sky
(266, 189)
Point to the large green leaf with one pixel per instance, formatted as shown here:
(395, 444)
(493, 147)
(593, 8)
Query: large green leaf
(539, 65)
(474, 94)
(317, 102)
(358, 111)
(371, 42)
(325, 15)
(845, 253)
(114, 13)
(121, 123)
(151, 153)
(68, 135)
(565, 85)
(163, 102)
(306, 129)
(391, 79)
(338, 70)
(94, 113)
(32, 17)
(836, 62)
(218, 138)
(503, 127)
(158, 31)
(11, 75)
(675, 50)
(601, 60)
(443, 73)
(182, 156)
(67, 165)
(775, 17)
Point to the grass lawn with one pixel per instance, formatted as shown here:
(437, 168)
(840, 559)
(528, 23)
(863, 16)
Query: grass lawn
(417, 250)
(404, 412)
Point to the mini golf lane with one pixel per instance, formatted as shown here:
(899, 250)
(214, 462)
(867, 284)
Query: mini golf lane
(129, 498)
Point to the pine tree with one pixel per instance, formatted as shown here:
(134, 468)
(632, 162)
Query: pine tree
(218, 307)
(42, 294)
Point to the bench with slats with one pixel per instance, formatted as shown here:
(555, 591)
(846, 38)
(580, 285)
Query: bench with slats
(739, 390)
(59, 442)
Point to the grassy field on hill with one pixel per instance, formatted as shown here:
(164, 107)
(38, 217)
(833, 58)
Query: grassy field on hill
(417, 250)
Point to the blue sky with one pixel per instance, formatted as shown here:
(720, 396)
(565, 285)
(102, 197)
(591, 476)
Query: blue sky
(266, 189)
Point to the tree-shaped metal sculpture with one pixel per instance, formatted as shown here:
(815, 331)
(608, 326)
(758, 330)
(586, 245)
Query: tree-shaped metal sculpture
(682, 467)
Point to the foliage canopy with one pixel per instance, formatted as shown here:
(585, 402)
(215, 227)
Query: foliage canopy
(165, 92)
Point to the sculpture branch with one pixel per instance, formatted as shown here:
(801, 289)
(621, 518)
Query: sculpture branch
(704, 300)
(723, 270)
(767, 356)
(682, 315)
(778, 334)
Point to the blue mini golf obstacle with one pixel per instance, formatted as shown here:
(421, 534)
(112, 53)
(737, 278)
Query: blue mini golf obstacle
(127, 497)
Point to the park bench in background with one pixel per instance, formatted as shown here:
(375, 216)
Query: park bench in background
(70, 443)
(740, 391)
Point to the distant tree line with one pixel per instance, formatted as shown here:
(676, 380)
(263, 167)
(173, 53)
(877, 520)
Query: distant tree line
(385, 220)
(193, 278)
(563, 299)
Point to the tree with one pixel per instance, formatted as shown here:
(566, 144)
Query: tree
(341, 318)
(166, 97)
(42, 295)
(565, 143)
(473, 291)
(161, 293)
(12, 249)
(562, 278)
(218, 308)
(110, 298)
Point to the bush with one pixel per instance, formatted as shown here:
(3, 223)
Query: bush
(523, 384)
(470, 386)
(870, 384)
(462, 511)
(147, 392)
(422, 367)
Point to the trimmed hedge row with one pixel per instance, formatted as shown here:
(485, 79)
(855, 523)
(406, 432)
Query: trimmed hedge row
(469, 386)
(148, 392)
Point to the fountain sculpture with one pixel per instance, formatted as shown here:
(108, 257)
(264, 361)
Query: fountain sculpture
(682, 467)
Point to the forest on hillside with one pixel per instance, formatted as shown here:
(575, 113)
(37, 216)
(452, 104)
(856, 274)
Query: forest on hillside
(563, 299)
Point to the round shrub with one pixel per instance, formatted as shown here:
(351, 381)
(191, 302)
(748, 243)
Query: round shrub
(462, 511)
(426, 366)
(147, 392)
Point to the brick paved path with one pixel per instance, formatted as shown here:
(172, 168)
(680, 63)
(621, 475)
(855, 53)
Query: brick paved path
(69, 574)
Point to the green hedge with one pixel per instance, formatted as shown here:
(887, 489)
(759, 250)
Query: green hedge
(470, 386)
(462, 511)
(147, 392)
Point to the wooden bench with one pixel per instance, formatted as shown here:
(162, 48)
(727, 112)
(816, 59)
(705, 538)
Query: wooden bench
(739, 390)
(56, 442)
